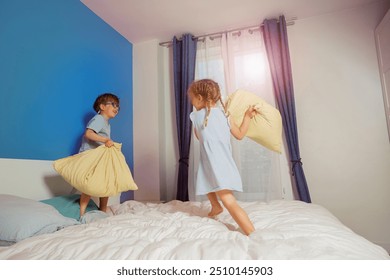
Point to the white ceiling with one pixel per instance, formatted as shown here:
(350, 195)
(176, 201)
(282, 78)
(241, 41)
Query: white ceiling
(143, 20)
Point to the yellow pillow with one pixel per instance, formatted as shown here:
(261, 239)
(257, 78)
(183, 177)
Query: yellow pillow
(266, 127)
(98, 172)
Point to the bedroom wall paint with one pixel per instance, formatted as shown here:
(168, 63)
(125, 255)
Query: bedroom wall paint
(341, 119)
(56, 57)
(155, 137)
(52, 68)
(146, 121)
(342, 128)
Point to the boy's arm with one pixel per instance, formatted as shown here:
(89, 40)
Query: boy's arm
(239, 131)
(93, 136)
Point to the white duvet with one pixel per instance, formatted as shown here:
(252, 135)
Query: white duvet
(181, 230)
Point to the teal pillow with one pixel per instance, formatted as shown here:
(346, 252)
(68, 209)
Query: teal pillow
(69, 205)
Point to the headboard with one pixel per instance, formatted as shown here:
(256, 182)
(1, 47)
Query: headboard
(35, 179)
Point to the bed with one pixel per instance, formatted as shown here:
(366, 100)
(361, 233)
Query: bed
(182, 231)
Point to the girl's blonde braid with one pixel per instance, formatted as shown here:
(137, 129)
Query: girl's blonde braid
(218, 96)
(208, 106)
(224, 106)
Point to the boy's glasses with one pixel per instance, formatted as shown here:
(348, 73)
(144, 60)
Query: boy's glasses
(113, 104)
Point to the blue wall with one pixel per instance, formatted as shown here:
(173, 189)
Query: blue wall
(55, 58)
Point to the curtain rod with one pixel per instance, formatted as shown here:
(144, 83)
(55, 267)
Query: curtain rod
(169, 43)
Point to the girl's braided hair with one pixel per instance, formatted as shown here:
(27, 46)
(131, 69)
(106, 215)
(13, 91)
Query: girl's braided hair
(210, 92)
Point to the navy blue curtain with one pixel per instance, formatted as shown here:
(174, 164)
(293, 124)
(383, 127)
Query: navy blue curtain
(184, 53)
(276, 43)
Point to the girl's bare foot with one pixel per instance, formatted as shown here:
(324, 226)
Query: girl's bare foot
(215, 210)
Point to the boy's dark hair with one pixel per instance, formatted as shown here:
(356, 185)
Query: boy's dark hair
(104, 98)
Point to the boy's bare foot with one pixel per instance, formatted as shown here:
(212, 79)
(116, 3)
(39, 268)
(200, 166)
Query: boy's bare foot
(215, 211)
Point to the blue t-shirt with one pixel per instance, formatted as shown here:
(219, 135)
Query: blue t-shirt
(101, 126)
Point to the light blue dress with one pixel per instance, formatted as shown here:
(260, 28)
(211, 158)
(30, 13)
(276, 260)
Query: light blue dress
(217, 169)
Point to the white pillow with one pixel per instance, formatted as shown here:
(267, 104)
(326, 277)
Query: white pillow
(266, 127)
(21, 218)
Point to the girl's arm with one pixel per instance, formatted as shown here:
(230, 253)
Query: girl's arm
(196, 134)
(93, 136)
(239, 131)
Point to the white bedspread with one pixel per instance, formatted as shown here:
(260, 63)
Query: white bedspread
(181, 230)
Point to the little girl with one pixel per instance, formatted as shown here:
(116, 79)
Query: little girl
(218, 174)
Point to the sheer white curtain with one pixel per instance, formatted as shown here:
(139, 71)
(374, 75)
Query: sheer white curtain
(238, 60)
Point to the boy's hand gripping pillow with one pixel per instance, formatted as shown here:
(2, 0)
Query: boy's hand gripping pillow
(99, 172)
